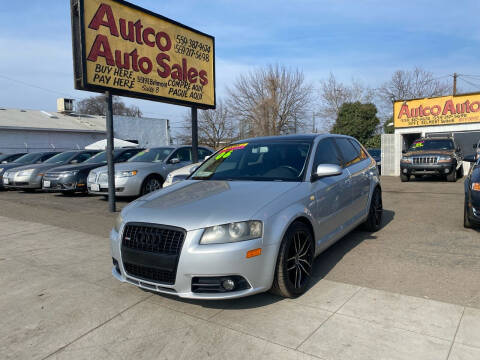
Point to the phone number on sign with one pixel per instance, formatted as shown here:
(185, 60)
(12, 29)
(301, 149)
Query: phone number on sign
(193, 44)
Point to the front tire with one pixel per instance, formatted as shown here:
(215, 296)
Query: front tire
(294, 262)
(466, 220)
(452, 177)
(151, 183)
(375, 212)
(404, 178)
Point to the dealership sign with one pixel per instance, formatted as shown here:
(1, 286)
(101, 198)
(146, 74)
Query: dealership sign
(445, 110)
(130, 51)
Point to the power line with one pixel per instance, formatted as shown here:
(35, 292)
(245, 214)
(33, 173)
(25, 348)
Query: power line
(32, 86)
(470, 83)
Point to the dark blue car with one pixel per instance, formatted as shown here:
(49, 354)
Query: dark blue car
(471, 216)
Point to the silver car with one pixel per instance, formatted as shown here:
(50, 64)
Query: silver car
(250, 219)
(144, 172)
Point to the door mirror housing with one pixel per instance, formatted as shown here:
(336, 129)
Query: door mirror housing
(74, 161)
(325, 170)
(470, 158)
(193, 169)
(174, 161)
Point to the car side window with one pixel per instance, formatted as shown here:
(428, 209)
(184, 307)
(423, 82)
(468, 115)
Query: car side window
(82, 157)
(182, 154)
(127, 155)
(46, 156)
(360, 149)
(326, 153)
(350, 153)
(202, 153)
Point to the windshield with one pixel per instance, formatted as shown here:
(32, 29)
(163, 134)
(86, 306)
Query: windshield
(99, 158)
(26, 159)
(152, 155)
(431, 144)
(258, 161)
(60, 157)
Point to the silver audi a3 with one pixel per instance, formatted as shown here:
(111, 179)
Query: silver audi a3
(251, 218)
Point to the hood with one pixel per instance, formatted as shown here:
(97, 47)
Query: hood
(127, 166)
(428, 152)
(193, 204)
(11, 166)
(78, 167)
(37, 167)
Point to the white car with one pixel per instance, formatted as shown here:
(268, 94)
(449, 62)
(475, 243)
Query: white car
(180, 174)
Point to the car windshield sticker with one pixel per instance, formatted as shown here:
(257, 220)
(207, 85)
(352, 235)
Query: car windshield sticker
(226, 152)
(418, 144)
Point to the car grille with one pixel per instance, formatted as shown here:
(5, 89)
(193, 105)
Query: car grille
(151, 251)
(425, 160)
(51, 176)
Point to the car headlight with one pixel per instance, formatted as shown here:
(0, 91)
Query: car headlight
(476, 186)
(68, 173)
(444, 158)
(125, 173)
(233, 232)
(27, 172)
(118, 223)
(406, 159)
(1, 170)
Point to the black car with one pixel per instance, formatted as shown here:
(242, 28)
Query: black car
(26, 159)
(73, 178)
(8, 158)
(432, 156)
(376, 154)
(471, 217)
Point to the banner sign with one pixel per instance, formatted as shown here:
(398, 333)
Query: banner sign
(445, 110)
(129, 51)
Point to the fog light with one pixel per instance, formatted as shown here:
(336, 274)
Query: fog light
(405, 171)
(447, 171)
(228, 284)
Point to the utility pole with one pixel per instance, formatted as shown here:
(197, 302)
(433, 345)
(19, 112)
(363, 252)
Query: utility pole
(313, 122)
(455, 75)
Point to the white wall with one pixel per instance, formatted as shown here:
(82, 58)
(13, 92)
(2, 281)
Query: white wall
(12, 141)
(149, 132)
(391, 154)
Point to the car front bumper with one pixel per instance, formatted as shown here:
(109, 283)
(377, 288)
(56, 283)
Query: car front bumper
(216, 260)
(22, 182)
(427, 169)
(69, 183)
(125, 186)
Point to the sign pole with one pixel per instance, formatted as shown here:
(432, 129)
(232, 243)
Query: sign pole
(110, 147)
(194, 135)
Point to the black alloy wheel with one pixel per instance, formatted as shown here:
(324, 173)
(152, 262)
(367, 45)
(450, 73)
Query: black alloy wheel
(294, 263)
(152, 183)
(375, 212)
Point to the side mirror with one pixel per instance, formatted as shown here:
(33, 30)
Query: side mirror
(404, 151)
(459, 149)
(193, 169)
(174, 161)
(74, 161)
(470, 158)
(207, 157)
(324, 170)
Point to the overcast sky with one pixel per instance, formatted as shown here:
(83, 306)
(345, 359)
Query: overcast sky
(362, 39)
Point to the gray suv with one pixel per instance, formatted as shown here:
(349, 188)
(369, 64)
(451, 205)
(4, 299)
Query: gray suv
(145, 172)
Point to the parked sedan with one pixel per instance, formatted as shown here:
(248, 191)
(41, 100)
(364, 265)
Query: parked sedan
(8, 158)
(69, 179)
(29, 177)
(180, 174)
(251, 218)
(32, 158)
(471, 214)
(145, 172)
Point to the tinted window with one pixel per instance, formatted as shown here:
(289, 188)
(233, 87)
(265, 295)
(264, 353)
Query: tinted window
(152, 155)
(127, 155)
(203, 153)
(47, 156)
(431, 144)
(61, 157)
(350, 153)
(183, 154)
(82, 157)
(326, 154)
(27, 159)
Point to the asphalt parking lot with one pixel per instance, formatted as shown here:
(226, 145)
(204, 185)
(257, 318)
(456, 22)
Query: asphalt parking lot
(411, 290)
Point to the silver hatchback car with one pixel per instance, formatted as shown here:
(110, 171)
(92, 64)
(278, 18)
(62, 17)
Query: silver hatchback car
(250, 219)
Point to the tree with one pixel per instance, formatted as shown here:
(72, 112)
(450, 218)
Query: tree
(215, 127)
(357, 120)
(333, 94)
(95, 105)
(270, 101)
(416, 83)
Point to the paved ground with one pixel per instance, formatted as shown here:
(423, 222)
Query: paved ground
(59, 300)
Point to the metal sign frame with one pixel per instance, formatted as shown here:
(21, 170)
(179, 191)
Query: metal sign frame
(80, 57)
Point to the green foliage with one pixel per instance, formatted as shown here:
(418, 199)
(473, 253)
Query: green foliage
(388, 129)
(357, 120)
(374, 142)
